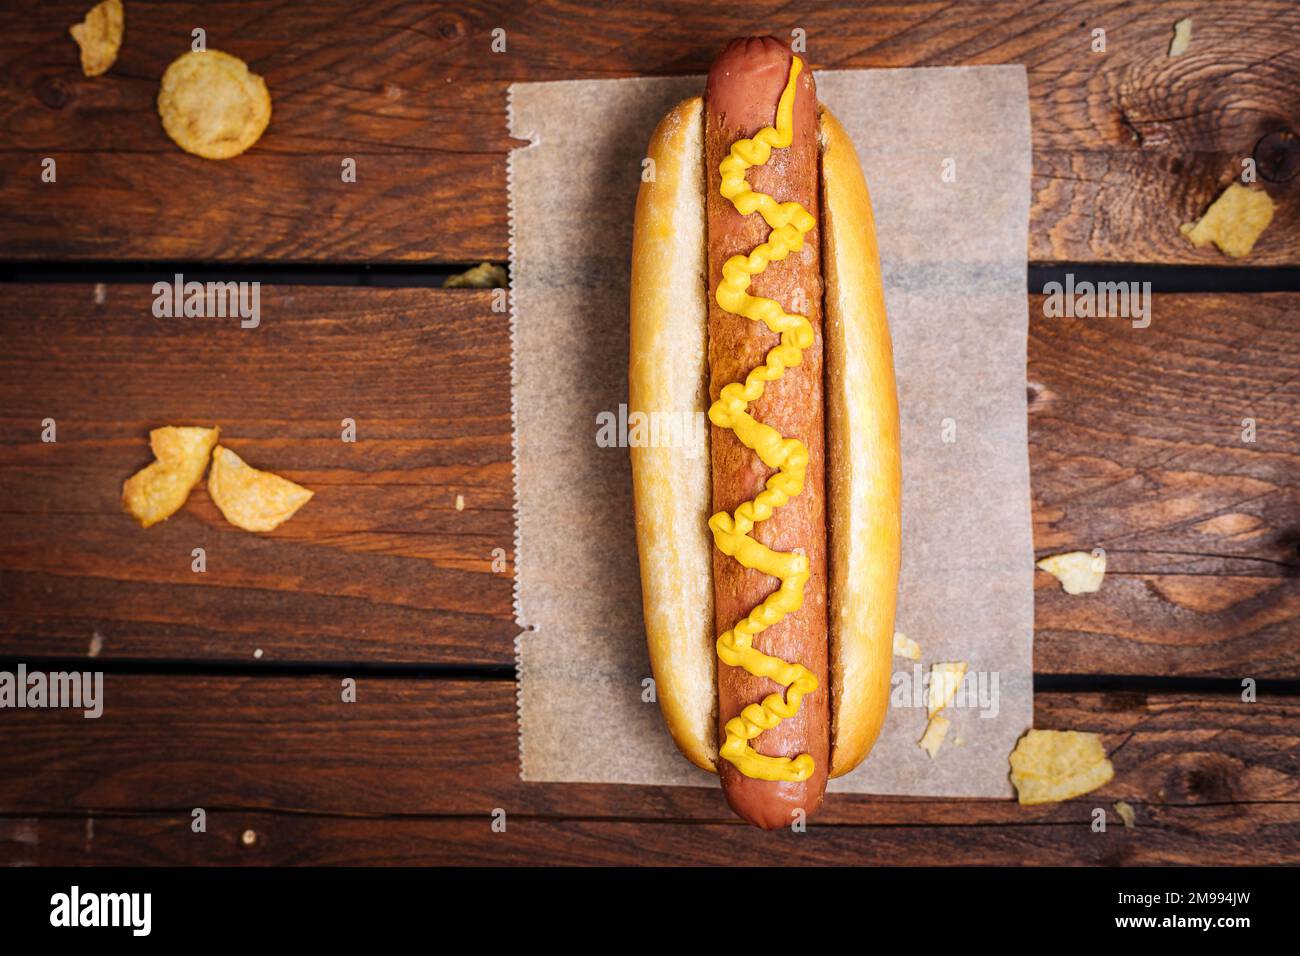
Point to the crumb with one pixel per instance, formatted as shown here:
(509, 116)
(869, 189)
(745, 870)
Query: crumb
(935, 731)
(945, 678)
(904, 646)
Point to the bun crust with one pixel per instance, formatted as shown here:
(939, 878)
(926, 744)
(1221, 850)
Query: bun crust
(863, 470)
(668, 372)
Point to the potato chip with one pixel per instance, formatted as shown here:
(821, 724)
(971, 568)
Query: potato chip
(251, 499)
(1034, 790)
(945, 678)
(1056, 753)
(1182, 37)
(485, 275)
(1049, 766)
(158, 491)
(212, 105)
(1078, 571)
(100, 36)
(935, 731)
(904, 646)
(1125, 813)
(1233, 222)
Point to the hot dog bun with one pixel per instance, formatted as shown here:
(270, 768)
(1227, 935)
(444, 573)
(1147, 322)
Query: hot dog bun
(863, 469)
(669, 372)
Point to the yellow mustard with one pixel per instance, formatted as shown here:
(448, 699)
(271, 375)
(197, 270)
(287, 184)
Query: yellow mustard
(789, 222)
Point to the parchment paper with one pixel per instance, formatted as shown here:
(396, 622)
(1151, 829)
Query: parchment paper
(954, 263)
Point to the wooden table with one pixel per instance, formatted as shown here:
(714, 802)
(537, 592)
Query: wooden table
(224, 688)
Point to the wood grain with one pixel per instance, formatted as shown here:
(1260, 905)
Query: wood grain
(1197, 836)
(1135, 446)
(1135, 441)
(1128, 143)
(380, 566)
(413, 770)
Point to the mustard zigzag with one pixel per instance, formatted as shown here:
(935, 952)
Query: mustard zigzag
(731, 532)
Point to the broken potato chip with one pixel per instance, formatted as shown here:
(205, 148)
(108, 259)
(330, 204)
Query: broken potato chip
(935, 731)
(904, 646)
(158, 491)
(1078, 571)
(251, 499)
(1049, 766)
(212, 105)
(100, 36)
(1182, 37)
(485, 275)
(1233, 222)
(1126, 814)
(945, 678)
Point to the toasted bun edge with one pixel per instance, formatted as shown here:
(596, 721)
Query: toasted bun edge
(668, 377)
(863, 467)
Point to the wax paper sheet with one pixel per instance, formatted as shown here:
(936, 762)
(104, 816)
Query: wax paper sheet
(946, 153)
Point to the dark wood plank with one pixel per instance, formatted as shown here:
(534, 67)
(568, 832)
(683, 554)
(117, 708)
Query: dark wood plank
(1134, 446)
(1206, 775)
(1195, 836)
(445, 747)
(380, 566)
(1127, 144)
(366, 82)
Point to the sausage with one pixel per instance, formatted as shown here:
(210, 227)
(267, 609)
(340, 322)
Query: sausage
(744, 86)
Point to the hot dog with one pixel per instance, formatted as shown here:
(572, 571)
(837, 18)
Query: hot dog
(744, 83)
(768, 570)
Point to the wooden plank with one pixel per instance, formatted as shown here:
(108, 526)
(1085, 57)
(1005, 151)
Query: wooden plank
(447, 747)
(1188, 836)
(1135, 446)
(380, 566)
(369, 83)
(1127, 143)
(1205, 773)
